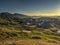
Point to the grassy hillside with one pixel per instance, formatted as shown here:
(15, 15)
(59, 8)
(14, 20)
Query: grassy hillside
(11, 33)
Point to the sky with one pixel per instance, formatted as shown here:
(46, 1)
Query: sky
(31, 7)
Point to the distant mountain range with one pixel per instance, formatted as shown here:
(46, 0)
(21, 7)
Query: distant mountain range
(9, 15)
(16, 15)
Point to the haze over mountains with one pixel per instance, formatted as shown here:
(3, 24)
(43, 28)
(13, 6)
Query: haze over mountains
(17, 15)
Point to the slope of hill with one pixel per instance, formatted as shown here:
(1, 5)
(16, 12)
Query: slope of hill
(13, 32)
